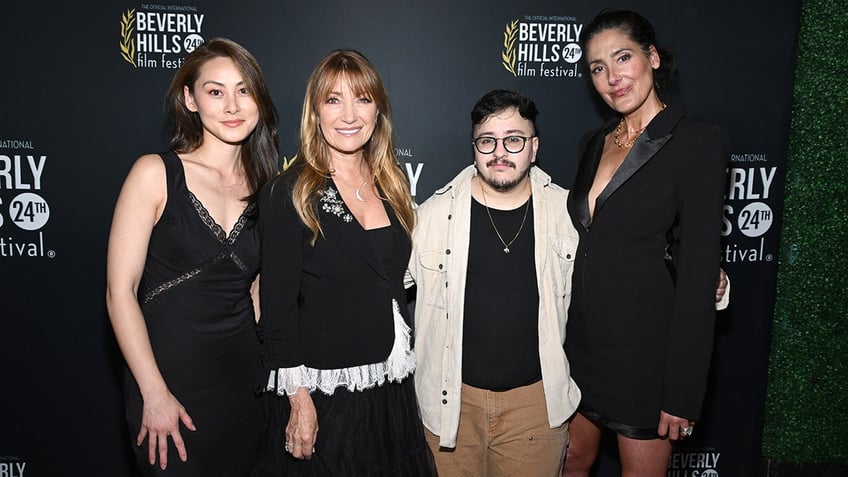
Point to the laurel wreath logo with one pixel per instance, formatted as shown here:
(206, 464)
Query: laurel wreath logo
(508, 54)
(288, 162)
(127, 39)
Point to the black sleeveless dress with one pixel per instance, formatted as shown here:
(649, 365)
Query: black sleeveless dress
(195, 297)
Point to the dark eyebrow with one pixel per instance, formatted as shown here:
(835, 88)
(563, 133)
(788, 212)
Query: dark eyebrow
(218, 83)
(511, 132)
(614, 53)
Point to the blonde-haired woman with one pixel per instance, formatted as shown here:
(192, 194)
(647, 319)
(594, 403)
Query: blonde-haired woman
(335, 232)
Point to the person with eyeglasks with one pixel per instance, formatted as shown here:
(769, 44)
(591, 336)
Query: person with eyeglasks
(492, 257)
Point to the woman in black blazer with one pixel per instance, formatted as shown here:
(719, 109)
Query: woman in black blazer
(647, 205)
(334, 325)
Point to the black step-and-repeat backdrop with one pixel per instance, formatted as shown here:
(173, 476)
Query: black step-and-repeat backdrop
(82, 85)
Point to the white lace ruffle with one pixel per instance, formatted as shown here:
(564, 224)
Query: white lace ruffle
(399, 365)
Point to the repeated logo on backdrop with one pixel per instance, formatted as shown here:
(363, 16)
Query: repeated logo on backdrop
(697, 462)
(747, 215)
(12, 466)
(413, 170)
(23, 210)
(542, 47)
(160, 36)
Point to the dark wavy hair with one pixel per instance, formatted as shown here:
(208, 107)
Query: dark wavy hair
(498, 100)
(639, 30)
(259, 150)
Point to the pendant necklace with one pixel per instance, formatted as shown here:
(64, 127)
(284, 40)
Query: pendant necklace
(357, 193)
(520, 228)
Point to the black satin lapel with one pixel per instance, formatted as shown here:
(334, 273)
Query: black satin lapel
(585, 176)
(642, 152)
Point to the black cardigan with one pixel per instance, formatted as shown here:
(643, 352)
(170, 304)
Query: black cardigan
(327, 306)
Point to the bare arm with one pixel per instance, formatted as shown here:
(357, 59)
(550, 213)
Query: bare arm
(139, 206)
(254, 295)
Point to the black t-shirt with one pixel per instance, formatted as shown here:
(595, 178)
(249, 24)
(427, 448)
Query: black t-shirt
(500, 341)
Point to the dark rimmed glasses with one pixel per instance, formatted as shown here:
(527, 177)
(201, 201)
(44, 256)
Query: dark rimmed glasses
(512, 144)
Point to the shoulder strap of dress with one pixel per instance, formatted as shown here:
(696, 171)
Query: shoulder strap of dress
(174, 172)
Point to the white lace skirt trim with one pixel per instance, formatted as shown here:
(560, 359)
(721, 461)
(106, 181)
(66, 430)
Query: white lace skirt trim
(399, 365)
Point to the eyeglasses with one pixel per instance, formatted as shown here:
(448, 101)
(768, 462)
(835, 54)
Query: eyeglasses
(512, 144)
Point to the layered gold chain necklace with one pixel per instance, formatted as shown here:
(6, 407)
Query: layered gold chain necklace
(617, 136)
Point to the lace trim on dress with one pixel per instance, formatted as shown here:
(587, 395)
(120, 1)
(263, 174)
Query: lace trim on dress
(399, 365)
(226, 247)
(206, 217)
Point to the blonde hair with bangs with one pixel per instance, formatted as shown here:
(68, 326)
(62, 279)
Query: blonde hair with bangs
(378, 152)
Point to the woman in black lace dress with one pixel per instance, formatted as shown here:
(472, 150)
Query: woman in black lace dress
(182, 265)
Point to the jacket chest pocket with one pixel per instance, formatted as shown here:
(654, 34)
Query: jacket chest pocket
(432, 282)
(565, 250)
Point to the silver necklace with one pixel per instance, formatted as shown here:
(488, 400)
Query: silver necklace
(520, 228)
(357, 193)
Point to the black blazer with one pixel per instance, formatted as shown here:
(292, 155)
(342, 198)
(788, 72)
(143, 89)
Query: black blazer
(640, 328)
(327, 306)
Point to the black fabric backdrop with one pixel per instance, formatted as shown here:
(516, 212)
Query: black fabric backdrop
(77, 113)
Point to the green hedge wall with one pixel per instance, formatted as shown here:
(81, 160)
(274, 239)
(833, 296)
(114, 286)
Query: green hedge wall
(806, 419)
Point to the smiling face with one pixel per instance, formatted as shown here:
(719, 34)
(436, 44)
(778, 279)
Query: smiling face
(502, 170)
(227, 110)
(621, 71)
(347, 119)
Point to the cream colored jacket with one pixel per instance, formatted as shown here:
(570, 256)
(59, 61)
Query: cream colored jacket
(438, 265)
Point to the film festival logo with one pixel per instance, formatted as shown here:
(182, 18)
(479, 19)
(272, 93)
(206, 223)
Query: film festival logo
(26, 211)
(746, 209)
(159, 36)
(12, 466)
(542, 47)
(697, 462)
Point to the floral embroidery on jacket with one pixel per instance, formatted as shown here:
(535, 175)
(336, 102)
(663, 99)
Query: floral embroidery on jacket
(332, 203)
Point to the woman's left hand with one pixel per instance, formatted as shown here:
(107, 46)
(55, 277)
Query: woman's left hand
(673, 427)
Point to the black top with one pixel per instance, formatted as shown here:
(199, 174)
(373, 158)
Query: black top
(638, 339)
(500, 336)
(327, 306)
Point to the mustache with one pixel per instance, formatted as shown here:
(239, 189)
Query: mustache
(500, 161)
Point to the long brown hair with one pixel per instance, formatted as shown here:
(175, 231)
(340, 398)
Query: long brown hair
(259, 150)
(379, 151)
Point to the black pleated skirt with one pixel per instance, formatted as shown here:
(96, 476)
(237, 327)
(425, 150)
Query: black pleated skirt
(376, 432)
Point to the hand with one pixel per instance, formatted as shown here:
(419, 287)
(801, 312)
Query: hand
(721, 285)
(160, 418)
(302, 429)
(670, 426)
